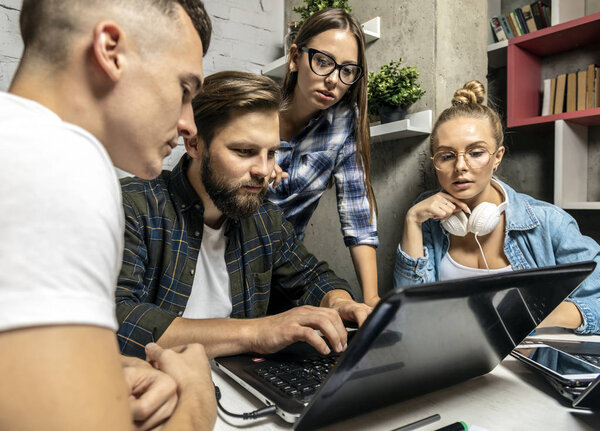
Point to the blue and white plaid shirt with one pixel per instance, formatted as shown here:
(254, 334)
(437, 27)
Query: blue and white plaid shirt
(325, 148)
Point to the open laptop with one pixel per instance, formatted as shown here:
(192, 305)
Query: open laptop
(416, 340)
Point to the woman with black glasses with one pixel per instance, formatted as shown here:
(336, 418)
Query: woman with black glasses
(477, 225)
(324, 135)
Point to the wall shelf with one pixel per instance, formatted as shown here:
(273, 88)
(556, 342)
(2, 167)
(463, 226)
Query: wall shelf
(496, 53)
(372, 29)
(524, 69)
(417, 124)
(277, 68)
(571, 166)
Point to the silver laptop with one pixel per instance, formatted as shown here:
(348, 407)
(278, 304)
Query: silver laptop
(416, 340)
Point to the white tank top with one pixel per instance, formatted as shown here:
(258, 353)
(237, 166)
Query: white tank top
(210, 297)
(451, 270)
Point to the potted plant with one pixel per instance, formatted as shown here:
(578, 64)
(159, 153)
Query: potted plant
(313, 6)
(392, 90)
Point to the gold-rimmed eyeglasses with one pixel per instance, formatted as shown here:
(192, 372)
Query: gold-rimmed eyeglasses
(475, 158)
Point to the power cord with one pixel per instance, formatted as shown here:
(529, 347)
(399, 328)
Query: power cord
(256, 414)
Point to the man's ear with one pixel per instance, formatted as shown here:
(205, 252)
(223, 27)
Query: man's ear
(293, 58)
(108, 48)
(194, 147)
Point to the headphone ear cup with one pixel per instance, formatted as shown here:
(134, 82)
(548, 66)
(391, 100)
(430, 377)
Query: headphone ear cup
(484, 218)
(456, 224)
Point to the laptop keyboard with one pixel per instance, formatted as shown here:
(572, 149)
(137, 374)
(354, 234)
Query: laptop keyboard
(298, 378)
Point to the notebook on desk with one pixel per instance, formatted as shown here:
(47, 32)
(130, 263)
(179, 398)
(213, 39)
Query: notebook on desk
(416, 340)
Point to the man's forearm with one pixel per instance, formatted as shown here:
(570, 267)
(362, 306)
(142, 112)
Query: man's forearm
(220, 337)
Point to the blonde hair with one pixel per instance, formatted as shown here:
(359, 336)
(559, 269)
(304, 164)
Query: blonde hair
(468, 102)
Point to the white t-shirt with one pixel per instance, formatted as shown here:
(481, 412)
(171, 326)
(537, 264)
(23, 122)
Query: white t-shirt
(451, 269)
(61, 221)
(211, 296)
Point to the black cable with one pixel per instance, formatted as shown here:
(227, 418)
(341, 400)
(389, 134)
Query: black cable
(265, 411)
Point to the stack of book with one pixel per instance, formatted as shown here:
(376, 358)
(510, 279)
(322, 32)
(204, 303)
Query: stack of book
(570, 92)
(522, 20)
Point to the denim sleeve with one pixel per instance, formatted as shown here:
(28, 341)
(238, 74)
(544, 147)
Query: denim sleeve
(409, 271)
(571, 246)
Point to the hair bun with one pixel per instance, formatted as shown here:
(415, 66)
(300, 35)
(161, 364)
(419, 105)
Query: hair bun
(473, 92)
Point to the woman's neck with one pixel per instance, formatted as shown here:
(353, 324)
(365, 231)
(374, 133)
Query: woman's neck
(295, 118)
(489, 194)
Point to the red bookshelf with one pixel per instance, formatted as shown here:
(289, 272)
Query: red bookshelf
(524, 59)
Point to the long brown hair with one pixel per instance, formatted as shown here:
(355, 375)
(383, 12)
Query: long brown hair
(338, 19)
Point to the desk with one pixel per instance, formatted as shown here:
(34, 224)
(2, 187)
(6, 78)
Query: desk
(511, 397)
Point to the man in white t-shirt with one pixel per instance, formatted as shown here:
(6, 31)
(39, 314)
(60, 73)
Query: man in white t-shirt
(207, 259)
(101, 82)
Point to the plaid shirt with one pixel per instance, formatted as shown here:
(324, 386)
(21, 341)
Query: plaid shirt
(325, 148)
(163, 233)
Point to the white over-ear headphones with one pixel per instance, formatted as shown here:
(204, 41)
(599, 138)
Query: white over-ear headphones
(483, 219)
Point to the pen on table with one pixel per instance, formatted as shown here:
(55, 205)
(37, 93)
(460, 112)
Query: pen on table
(456, 426)
(420, 423)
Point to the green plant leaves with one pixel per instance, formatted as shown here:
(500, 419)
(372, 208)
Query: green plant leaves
(393, 85)
(313, 6)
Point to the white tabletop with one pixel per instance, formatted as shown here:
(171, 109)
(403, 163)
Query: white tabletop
(511, 397)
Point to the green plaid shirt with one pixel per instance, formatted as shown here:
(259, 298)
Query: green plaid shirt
(268, 268)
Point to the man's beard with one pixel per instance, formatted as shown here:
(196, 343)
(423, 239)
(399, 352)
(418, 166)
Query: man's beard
(232, 200)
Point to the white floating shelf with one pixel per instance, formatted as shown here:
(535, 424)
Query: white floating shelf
(496, 53)
(276, 69)
(417, 124)
(372, 29)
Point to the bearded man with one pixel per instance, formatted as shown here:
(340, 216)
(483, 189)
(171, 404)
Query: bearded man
(207, 260)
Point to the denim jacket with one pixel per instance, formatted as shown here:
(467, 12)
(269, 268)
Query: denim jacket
(537, 234)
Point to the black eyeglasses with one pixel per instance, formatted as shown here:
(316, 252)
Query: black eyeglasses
(323, 65)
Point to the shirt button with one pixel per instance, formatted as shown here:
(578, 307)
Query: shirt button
(196, 234)
(182, 206)
(192, 271)
(197, 206)
(180, 313)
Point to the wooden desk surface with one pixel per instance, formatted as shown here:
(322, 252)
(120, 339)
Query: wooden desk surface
(511, 397)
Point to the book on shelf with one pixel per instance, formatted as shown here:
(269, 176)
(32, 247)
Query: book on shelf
(506, 27)
(521, 20)
(515, 23)
(546, 12)
(528, 17)
(597, 87)
(497, 29)
(552, 96)
(590, 87)
(571, 93)
(546, 87)
(581, 89)
(559, 99)
(537, 15)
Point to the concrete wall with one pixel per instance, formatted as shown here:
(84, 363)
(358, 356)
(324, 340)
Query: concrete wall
(443, 39)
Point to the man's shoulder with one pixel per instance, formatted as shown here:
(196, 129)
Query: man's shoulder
(138, 191)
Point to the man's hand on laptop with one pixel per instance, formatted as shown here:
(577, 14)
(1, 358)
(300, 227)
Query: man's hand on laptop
(348, 309)
(273, 333)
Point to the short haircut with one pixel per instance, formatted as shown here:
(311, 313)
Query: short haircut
(47, 25)
(232, 92)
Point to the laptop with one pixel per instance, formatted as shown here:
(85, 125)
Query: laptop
(416, 340)
(571, 367)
